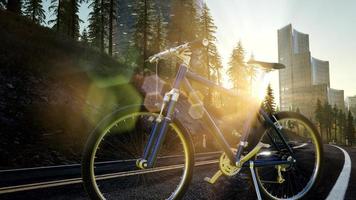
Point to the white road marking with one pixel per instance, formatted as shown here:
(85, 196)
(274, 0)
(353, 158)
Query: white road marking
(71, 181)
(340, 187)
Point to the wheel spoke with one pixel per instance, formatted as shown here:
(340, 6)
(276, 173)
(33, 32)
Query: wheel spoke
(122, 144)
(303, 139)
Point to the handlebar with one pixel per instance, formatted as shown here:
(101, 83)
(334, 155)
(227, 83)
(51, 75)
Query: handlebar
(178, 49)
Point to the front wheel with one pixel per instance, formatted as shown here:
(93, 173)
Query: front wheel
(109, 160)
(292, 181)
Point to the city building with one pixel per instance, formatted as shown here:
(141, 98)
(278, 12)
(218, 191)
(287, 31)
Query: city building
(305, 78)
(351, 104)
(336, 97)
(320, 72)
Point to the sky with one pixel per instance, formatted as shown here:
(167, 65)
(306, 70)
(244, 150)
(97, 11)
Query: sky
(331, 25)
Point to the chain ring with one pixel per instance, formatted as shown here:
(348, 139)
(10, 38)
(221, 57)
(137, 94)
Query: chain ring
(226, 167)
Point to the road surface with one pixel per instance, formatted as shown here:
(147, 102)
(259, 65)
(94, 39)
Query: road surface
(335, 170)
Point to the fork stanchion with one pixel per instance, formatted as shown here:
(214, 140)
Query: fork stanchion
(253, 174)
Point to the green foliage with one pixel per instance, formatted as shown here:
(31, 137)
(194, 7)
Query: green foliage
(207, 30)
(269, 104)
(41, 49)
(143, 30)
(183, 26)
(350, 128)
(341, 124)
(66, 19)
(332, 122)
(183, 22)
(237, 71)
(319, 113)
(210, 58)
(101, 21)
(33, 9)
(84, 36)
(96, 25)
(159, 32)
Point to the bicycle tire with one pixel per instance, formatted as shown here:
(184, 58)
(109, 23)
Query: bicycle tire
(270, 189)
(89, 167)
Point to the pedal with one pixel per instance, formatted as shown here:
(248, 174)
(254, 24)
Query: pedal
(213, 179)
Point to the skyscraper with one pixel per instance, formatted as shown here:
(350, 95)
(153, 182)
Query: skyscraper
(320, 72)
(305, 78)
(351, 104)
(293, 51)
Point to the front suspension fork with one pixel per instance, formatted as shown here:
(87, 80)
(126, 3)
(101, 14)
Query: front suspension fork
(159, 131)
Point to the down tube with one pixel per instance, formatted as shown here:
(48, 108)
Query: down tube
(218, 136)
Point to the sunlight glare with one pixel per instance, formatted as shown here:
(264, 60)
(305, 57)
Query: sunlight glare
(259, 86)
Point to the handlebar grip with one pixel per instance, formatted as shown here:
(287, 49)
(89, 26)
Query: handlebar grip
(192, 45)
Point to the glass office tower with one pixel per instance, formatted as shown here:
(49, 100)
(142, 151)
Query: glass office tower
(305, 78)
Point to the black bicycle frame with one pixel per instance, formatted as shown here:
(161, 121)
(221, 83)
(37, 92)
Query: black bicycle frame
(159, 130)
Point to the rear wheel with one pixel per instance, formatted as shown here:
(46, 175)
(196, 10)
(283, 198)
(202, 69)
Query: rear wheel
(291, 181)
(109, 159)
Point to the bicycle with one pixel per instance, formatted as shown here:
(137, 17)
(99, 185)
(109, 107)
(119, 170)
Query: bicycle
(148, 155)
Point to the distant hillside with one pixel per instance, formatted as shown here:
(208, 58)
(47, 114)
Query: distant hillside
(53, 90)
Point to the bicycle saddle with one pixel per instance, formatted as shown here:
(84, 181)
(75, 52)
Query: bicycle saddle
(266, 65)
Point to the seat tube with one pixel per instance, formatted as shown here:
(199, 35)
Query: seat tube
(164, 124)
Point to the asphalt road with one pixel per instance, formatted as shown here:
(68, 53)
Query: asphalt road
(226, 187)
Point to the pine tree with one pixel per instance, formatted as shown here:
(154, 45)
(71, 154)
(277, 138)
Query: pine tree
(269, 104)
(74, 20)
(237, 70)
(341, 122)
(210, 56)
(33, 9)
(251, 74)
(159, 32)
(334, 113)
(327, 119)
(97, 25)
(111, 16)
(56, 8)
(84, 37)
(143, 30)
(319, 118)
(67, 18)
(183, 24)
(350, 128)
(14, 6)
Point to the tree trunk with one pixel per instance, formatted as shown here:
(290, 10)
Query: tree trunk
(58, 14)
(73, 24)
(102, 26)
(14, 6)
(33, 16)
(111, 26)
(145, 35)
(208, 74)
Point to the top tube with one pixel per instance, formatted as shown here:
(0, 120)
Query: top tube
(195, 77)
